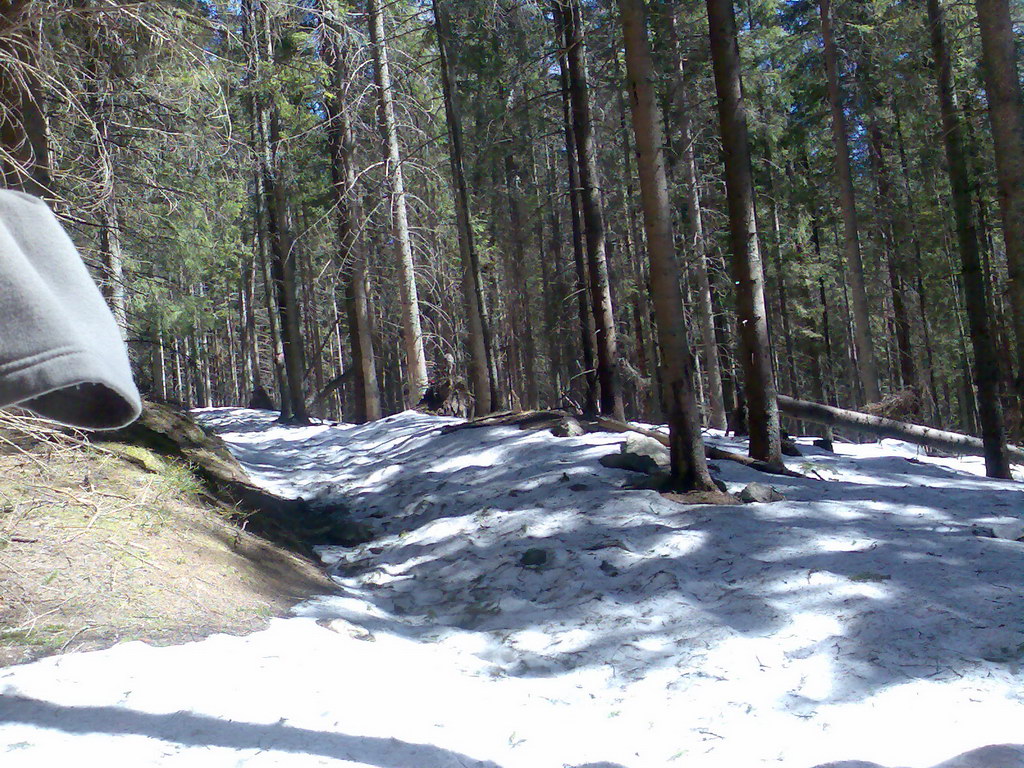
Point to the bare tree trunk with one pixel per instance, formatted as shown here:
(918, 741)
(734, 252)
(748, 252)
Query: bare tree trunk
(698, 243)
(555, 291)
(282, 288)
(159, 363)
(247, 319)
(986, 365)
(867, 368)
(311, 316)
(651, 405)
(1006, 116)
(274, 320)
(780, 272)
(111, 253)
(478, 336)
(521, 315)
(593, 216)
(892, 259)
(586, 318)
(352, 251)
(283, 271)
(909, 223)
(748, 277)
(689, 466)
(416, 361)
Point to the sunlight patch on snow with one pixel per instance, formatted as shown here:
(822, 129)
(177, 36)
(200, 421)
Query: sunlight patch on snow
(485, 458)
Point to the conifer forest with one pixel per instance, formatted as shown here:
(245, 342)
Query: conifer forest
(695, 212)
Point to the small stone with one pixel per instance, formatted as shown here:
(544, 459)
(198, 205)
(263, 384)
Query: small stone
(790, 448)
(824, 443)
(760, 493)
(608, 568)
(534, 557)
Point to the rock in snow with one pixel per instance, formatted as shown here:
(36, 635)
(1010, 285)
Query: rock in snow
(638, 453)
(760, 493)
(1011, 528)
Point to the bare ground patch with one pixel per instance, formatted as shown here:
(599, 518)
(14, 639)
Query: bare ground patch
(96, 549)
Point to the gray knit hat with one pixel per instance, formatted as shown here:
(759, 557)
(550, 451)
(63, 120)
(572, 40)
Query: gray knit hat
(61, 354)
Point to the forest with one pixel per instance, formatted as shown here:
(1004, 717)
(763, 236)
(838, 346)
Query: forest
(666, 211)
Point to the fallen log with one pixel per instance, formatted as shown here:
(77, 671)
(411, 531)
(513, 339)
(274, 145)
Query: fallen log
(552, 419)
(830, 416)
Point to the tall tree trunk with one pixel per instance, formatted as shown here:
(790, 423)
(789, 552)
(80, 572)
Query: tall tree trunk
(885, 207)
(352, 251)
(651, 407)
(554, 287)
(986, 365)
(278, 225)
(586, 318)
(273, 319)
(159, 364)
(909, 224)
(780, 272)
(698, 242)
(111, 253)
(748, 277)
(283, 269)
(521, 314)
(867, 368)
(593, 215)
(1006, 116)
(416, 361)
(689, 467)
(252, 377)
(478, 336)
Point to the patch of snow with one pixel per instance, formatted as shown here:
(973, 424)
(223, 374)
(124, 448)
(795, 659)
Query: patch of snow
(861, 619)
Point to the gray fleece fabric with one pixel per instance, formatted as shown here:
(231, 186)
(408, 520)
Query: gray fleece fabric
(61, 354)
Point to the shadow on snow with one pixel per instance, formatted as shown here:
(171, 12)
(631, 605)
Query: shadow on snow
(892, 557)
(202, 731)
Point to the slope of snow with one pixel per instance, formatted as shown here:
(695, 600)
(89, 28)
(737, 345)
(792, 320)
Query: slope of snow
(862, 619)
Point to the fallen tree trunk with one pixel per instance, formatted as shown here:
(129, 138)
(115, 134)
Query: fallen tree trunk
(954, 442)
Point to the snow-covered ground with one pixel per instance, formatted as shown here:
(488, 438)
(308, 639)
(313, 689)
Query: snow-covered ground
(522, 609)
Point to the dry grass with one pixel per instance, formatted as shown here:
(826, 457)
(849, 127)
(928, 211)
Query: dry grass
(99, 545)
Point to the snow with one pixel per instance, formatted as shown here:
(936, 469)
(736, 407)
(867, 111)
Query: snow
(869, 619)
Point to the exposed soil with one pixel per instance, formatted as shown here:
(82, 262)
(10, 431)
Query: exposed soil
(100, 545)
